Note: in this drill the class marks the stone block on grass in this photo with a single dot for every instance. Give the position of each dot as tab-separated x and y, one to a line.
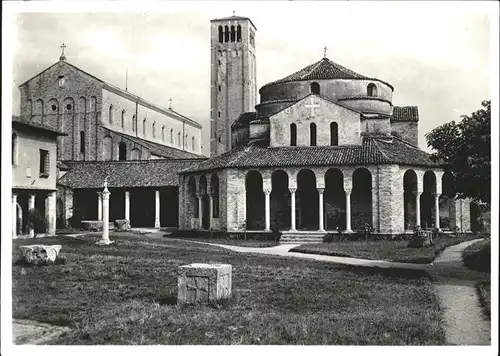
204	283
39	254
92	225
122	225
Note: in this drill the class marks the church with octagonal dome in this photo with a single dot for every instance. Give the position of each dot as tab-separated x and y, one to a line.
324	150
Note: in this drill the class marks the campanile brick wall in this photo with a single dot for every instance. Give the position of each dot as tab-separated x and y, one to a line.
233	84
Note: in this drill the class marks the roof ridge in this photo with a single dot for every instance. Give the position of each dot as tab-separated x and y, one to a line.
406	142
317	64
379	149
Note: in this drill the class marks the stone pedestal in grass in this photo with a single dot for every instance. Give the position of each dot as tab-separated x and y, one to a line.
40	254
204	283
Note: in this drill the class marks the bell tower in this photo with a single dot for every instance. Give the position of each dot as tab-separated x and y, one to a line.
233	85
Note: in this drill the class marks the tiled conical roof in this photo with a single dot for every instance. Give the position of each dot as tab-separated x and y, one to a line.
323	69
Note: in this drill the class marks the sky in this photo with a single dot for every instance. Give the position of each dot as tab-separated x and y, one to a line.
435	54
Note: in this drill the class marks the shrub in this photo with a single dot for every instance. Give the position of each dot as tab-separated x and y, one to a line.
328	238
36	221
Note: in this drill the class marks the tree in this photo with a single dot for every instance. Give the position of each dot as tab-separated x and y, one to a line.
465	149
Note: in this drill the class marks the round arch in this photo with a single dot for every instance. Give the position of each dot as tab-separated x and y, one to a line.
280	200
334	200
307	201
255	201
214	190
361	198
427	206
410	187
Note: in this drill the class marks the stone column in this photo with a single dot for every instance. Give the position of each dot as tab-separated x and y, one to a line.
321	214
127	205
99	206
293	218
200	210
417	207
267	193
157	209
348	210
14	215
31	205
105	217
436	213
51	213
211	208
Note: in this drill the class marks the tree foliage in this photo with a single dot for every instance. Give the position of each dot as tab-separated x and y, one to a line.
465	148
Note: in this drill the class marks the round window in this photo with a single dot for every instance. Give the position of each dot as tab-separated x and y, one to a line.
68	106
54	107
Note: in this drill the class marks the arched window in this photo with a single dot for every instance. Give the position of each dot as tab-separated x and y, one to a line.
163	133
233	34
154	129
293	135
226	34
14	149
334	134
179	139
371	89
171	136
221	35
110	114
192	143
144	127
107	148
122	151
134	123
123	119
315	88
238	33
135	154
313	134
82	141
29	108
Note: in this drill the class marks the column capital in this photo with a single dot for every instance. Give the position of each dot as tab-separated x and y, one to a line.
436	195
292	190
199	196
348	191
417	193
321	190
14	197
99	194
267	191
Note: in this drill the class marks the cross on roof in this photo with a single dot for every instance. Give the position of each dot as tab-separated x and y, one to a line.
312	106
62	57
170	103
324	55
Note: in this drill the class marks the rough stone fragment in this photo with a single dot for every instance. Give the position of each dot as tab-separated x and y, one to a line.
38	254
122	225
202	283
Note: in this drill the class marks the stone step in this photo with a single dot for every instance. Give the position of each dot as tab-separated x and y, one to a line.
288	241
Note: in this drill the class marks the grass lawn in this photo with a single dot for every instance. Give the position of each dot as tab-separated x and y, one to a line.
125	293
395	251
233	242
478	256
484	290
